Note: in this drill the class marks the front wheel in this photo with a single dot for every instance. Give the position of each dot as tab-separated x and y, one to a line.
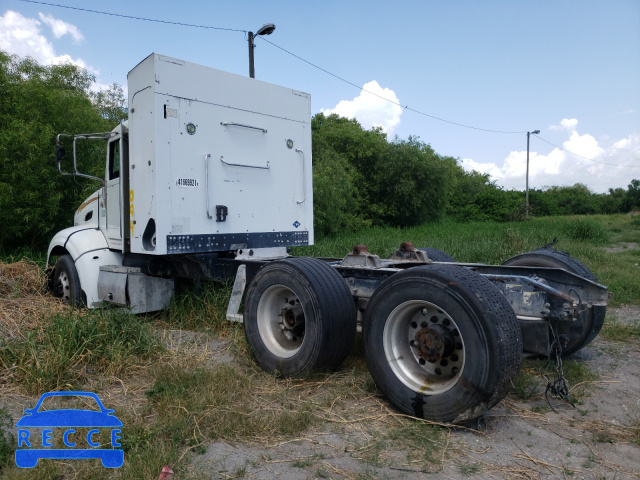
66	283
299	316
441	343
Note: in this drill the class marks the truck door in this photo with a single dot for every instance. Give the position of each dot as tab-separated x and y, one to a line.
114	213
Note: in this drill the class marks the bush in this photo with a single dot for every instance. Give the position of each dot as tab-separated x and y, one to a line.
361	179
408	185
586	230
336	201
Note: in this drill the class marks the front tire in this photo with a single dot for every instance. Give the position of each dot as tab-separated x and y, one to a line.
441	343
66	283
299	316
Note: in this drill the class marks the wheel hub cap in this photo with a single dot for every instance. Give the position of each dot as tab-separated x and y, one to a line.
434	343
281	321
423	347
292	317
64	286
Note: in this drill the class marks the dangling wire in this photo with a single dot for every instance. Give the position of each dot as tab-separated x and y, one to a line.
559	387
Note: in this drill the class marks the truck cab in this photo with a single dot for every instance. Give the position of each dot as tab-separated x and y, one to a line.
208	164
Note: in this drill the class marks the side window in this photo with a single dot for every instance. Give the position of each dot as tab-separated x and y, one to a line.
114	160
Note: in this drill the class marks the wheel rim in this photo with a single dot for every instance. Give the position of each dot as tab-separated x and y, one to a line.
64	286
280	320
423	347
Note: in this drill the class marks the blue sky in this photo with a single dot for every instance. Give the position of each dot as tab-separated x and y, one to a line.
568	68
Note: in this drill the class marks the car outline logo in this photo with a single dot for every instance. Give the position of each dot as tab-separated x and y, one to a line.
69	417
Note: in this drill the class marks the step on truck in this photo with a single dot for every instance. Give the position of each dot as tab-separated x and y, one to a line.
210	178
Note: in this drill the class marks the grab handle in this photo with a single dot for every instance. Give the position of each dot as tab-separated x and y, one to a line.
206	181
267	167
304	178
242	125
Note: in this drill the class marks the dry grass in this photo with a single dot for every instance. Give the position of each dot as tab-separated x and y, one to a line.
23	299
20	278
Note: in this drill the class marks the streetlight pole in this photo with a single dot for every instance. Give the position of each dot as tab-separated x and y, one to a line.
526	208
266	29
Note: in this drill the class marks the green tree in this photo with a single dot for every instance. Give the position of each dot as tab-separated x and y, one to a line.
399	183
574	200
335	198
37	102
633	195
465	188
111	103
612	202
543	203
343	155
409	184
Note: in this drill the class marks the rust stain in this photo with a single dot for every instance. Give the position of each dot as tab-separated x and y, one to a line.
358	249
407	247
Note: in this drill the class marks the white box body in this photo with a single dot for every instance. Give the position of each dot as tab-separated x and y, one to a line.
217	161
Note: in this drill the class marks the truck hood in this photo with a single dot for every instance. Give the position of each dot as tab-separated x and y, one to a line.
87	212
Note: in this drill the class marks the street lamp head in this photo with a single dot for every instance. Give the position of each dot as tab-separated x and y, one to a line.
535	132
266	29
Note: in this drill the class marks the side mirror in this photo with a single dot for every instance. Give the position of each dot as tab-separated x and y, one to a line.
61	154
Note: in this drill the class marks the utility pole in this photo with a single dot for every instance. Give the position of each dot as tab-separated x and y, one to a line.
526	208
266	29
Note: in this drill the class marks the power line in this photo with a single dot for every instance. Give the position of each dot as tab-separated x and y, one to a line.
131	17
590	159
406	107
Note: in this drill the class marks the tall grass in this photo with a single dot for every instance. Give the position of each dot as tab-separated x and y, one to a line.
468	242
587	230
73	345
7	440
199	307
584	237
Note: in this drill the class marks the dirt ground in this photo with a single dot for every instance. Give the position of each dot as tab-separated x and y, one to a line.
519	439
599	439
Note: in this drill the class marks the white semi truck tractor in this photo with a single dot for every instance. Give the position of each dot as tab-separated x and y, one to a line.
210	177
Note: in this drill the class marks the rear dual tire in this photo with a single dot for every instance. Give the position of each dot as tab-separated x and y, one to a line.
299	316
441	343
438	255
581	332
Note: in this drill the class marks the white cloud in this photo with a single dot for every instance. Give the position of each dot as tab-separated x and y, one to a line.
567	124
22	36
599	167
491	168
370	108
61	28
